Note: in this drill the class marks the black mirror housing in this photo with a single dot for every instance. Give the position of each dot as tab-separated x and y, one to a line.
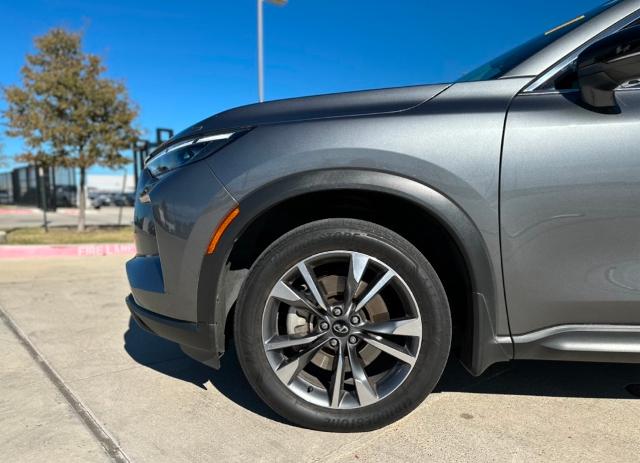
606	65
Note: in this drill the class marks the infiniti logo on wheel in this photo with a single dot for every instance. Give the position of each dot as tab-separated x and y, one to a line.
340	328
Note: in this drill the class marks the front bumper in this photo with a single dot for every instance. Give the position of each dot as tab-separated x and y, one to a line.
172	234
198	340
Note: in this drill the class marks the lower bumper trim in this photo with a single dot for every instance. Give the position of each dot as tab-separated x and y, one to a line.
196	338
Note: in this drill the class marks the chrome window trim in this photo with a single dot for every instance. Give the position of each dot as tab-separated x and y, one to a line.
546	76
633	88
564	91
615	60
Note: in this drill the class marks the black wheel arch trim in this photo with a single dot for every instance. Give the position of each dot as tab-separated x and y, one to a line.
485	347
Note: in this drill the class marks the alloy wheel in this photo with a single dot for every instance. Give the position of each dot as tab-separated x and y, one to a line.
341	329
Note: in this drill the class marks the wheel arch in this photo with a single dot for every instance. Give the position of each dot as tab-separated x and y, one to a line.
223	272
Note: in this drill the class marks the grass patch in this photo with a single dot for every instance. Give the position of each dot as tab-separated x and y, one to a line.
65	235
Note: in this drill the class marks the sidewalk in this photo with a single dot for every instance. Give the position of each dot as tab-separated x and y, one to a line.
38	423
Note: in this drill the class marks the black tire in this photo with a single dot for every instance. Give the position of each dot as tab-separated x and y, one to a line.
376	241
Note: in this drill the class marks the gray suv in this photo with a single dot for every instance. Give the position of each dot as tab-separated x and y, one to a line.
348	243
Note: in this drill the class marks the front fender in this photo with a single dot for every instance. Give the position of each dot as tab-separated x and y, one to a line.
485	347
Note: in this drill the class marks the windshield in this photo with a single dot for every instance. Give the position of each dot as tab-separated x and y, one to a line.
503	64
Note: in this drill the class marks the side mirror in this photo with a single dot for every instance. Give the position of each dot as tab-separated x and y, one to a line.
606	65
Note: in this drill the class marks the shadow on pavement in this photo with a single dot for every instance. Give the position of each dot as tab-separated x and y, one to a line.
167	358
534	378
550	379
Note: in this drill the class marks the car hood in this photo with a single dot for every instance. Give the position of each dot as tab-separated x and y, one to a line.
361	103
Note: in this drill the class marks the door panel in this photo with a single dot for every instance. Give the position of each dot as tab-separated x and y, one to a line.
570	212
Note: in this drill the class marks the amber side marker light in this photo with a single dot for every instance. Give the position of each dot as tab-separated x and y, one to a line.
221	229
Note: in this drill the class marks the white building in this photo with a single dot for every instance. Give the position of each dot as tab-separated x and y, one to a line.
110	183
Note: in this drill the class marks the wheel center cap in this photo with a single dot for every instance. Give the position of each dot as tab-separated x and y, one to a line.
340	328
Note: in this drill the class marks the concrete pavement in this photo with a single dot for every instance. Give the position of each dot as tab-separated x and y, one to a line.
38	423
158	405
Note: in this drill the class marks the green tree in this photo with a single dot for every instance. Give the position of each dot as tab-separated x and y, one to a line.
67	112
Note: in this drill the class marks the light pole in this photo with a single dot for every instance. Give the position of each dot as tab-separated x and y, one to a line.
124	189
261	46
43	198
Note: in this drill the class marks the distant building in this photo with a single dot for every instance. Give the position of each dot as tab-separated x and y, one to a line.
22	186
109	183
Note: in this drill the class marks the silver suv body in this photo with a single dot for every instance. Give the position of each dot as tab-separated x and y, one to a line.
513	195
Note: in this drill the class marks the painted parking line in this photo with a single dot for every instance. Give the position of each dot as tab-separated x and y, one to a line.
69	250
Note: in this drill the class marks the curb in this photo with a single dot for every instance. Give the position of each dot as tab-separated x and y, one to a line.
11	211
14	251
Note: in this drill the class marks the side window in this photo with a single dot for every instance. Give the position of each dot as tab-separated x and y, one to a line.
635	23
635	84
567	80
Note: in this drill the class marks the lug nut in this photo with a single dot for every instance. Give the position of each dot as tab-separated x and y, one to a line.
333	343
353	339
324	326
337	311
355	320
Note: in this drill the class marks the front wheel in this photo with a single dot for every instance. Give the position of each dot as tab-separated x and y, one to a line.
342	325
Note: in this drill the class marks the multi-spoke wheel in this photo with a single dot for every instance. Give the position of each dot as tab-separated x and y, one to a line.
341	329
342	325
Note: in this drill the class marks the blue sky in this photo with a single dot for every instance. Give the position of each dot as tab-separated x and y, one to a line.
183	61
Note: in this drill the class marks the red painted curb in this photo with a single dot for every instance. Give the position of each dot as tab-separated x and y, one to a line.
18	211
11	251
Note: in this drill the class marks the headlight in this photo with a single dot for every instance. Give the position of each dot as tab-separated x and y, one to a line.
188	151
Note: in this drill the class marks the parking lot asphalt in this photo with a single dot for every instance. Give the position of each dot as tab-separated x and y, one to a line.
21	217
80	382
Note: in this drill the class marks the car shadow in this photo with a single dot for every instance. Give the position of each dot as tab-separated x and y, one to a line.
533	378
167	358
544	378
